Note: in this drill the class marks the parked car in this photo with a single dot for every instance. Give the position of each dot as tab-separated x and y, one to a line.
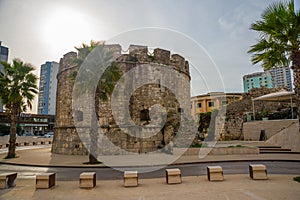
49	135
3	134
28	134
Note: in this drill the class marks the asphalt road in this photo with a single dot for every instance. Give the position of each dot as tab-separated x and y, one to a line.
66	173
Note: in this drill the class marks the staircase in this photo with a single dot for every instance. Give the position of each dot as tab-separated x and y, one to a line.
274	150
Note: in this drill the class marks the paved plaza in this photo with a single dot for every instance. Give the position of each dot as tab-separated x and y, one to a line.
235	186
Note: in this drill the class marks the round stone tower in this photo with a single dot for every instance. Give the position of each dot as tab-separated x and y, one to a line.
169	89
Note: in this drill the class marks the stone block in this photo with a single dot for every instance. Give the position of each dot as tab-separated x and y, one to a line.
87	180
173	176
8	180
45	180
130	178
258	172
215	173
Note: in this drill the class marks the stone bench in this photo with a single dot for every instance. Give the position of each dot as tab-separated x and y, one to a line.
131	178
8	180
87	180
258	171
45	180
215	173
173	176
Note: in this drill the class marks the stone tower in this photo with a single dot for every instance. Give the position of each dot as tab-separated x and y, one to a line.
142	102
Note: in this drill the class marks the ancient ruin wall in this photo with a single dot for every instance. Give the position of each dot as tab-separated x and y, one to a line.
66	140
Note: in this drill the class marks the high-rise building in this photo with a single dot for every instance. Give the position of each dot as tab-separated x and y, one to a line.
282	77
3	57
257	80
47	88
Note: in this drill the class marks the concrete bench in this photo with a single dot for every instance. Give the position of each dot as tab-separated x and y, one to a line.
258	171
8	180
215	173
44	181
131	178
173	176
87	180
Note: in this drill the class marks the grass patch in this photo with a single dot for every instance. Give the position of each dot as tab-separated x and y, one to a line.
199	145
297	178
236	146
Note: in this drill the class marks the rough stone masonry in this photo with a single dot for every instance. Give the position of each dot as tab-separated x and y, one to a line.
141	103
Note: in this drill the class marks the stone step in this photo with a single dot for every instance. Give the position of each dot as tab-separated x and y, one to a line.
278	152
274	149
269	147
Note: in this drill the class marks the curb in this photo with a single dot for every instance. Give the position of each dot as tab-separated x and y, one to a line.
173	164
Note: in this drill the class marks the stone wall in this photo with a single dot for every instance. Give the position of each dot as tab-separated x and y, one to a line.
236	112
251	130
288	138
66	140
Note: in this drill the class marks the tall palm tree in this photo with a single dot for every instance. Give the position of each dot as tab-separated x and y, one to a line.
18	86
104	88
279	41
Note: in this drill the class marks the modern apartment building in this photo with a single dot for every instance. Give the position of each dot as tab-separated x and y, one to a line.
47	88
282	77
257	80
211	101
3	57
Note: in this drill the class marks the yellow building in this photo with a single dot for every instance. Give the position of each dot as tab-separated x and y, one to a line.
211	101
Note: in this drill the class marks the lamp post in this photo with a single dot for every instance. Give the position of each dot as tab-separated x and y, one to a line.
253	108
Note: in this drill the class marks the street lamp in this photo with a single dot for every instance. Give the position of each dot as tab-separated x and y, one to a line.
253	108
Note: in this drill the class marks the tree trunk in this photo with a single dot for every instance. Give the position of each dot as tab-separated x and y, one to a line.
12	137
296	69
93	154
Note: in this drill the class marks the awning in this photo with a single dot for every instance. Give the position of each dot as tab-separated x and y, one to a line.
282	95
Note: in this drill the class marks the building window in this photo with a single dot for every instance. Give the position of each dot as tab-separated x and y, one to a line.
199	105
180	110
225	102
144	115
78	115
211	104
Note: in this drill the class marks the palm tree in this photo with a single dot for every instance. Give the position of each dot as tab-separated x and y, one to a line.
18	86
104	88
279	41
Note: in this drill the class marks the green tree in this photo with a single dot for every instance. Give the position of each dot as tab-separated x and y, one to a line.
279	42
207	124
204	121
104	88
18	86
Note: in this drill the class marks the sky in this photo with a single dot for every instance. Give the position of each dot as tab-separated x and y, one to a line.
214	35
